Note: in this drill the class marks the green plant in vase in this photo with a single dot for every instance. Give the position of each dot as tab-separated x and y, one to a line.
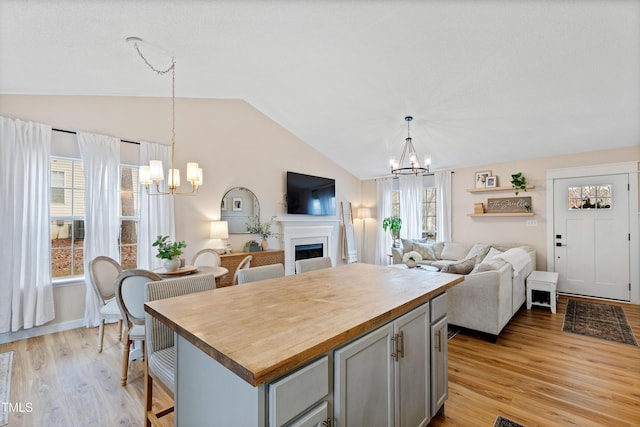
393	224
254	226
169	252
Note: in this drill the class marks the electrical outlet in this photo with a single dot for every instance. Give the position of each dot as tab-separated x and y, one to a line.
532	223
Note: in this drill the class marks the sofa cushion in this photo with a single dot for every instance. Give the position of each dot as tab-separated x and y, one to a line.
425	250
460	267
454	251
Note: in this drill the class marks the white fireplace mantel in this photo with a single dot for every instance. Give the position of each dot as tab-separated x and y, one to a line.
308	230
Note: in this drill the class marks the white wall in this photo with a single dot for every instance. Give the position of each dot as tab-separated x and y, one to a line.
234	143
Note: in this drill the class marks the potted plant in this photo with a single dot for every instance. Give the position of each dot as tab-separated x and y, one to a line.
519	182
254	226
169	252
394	224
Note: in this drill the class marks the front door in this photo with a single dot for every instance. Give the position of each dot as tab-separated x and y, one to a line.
591	236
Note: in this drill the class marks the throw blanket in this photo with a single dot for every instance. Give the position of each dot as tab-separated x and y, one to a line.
349	250
517	257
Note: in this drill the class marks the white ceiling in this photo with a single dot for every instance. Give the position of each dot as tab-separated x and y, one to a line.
486	81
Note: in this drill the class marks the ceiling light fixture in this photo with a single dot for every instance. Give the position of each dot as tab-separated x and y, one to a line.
409	152
154	171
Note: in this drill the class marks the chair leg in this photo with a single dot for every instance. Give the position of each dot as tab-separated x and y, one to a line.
120	330
100	336
148	387
125	360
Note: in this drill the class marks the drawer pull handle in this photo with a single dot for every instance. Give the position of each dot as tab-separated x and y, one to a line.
327	422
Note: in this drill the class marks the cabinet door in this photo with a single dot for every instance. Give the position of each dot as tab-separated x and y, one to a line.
412	405
439	376
317	417
363	386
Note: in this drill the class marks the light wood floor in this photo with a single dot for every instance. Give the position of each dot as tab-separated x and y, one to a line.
534	374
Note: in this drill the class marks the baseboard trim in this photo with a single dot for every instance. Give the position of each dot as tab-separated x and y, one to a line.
40	330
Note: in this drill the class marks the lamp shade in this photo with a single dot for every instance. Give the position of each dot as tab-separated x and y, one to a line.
364	213
219	230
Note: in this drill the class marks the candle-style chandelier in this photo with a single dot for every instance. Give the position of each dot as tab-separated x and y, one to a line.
409	153
153	173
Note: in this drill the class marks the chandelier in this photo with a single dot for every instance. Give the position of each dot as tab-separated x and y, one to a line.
153	173
409	153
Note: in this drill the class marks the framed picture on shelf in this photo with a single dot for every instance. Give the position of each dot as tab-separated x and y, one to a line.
481	179
237	204
492	181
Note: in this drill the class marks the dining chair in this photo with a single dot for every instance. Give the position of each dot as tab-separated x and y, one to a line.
103	271
160	362
130	298
303	265
262	272
245	263
206	257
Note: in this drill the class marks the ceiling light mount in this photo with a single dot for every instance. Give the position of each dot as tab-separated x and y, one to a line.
409	153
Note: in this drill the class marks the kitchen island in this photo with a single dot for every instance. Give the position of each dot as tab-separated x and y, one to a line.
278	352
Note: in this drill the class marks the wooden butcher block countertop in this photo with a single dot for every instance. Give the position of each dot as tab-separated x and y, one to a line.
265	329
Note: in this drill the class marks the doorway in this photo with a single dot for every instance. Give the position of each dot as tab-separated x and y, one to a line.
591	237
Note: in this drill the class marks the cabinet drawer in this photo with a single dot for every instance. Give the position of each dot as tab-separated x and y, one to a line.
314	417
439	307
293	394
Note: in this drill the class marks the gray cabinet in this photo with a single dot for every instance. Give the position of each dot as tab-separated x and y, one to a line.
439	348
382	379
291	396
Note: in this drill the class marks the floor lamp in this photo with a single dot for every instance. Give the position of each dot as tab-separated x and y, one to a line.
363	214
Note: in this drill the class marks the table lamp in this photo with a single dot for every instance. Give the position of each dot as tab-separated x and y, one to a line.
218	231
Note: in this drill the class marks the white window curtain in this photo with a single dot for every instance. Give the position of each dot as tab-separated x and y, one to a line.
411	195
157	215
383	239
26	295
443	205
100	156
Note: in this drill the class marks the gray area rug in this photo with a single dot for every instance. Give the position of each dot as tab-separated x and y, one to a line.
6	360
505	422
599	320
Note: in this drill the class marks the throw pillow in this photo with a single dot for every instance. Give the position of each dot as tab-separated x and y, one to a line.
492	252
425	250
479	251
407	244
460	267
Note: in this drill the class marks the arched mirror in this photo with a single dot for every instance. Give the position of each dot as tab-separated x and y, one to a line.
238	205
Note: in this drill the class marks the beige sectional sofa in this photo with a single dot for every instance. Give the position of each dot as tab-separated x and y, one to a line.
494	286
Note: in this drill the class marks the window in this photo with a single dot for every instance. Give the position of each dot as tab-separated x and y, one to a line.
67	217
57	186
129	216
590	197
428	211
66	214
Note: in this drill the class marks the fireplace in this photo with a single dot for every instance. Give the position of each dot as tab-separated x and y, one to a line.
307	238
313	250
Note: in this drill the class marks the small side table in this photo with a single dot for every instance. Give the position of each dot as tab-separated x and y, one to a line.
543	281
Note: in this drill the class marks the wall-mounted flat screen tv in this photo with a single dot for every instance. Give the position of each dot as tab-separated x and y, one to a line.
310	195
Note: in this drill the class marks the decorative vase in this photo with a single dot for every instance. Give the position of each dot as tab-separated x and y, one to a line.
265	244
172	264
411	263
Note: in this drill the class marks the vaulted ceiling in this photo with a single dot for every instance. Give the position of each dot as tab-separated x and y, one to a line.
486	81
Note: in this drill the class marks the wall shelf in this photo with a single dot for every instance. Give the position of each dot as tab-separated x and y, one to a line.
482	190
504	214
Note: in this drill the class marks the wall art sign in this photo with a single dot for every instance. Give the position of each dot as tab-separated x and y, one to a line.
509	205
